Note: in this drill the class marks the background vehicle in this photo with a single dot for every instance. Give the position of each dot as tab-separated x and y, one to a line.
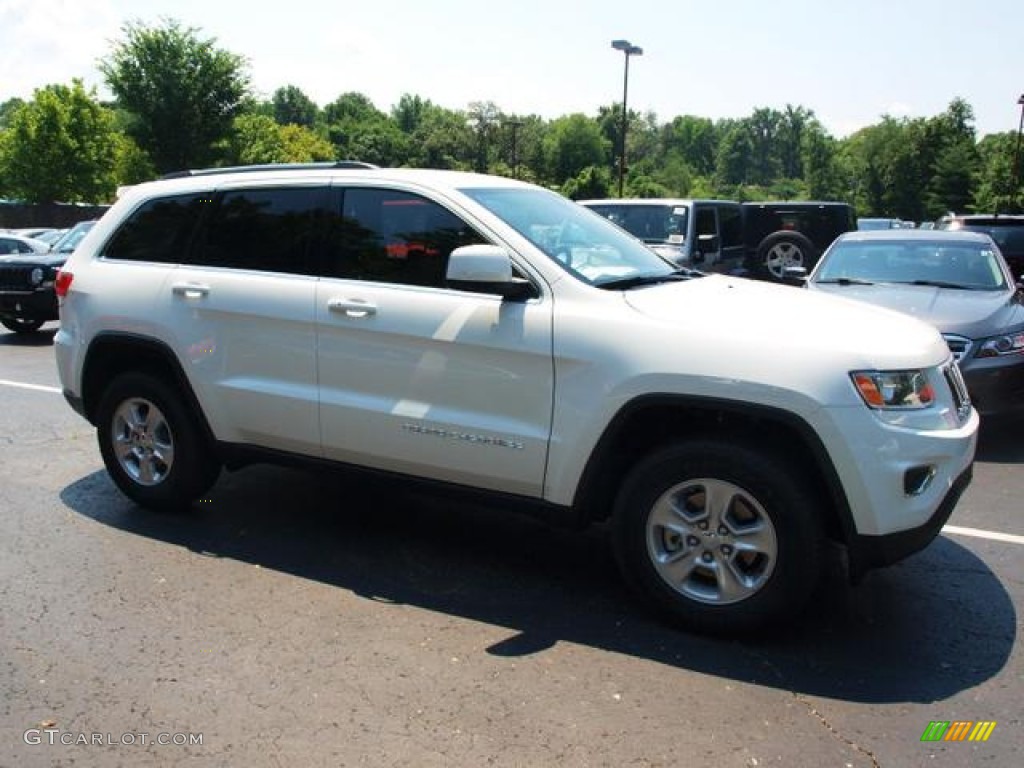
496	338
955	280
749	239
27	298
1006	230
702	234
870	223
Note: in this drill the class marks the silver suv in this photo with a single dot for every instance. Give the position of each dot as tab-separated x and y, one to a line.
493	336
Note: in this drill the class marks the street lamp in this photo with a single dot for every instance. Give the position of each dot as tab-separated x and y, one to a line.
1016	155
629	50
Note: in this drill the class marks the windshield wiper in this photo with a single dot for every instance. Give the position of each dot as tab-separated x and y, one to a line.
846	281
941	284
624	283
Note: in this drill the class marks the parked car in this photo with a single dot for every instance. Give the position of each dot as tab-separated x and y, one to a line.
759	239
702	234
1006	230
955	280
489	336
27	298
11	243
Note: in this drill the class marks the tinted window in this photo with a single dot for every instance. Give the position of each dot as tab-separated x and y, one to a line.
731	223
395	237
9	245
270	230
159	230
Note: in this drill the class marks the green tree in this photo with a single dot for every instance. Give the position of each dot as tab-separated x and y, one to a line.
591	182
60	147
293	107
259	139
572	144
995	189
183	91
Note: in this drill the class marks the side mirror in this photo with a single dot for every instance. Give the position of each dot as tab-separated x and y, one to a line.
486	269
796	276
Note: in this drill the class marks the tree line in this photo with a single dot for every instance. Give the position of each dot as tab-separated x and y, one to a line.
182	102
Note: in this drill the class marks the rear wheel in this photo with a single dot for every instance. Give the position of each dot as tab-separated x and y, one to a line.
782	250
718	537
152	445
19	325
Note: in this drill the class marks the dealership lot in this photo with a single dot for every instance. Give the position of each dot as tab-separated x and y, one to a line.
300	618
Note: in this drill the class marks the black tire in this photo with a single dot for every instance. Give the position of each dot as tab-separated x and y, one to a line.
781	250
152	445
19	325
755	563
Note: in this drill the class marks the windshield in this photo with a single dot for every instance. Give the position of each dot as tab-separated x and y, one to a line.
583	243
70	240
651	223
947	265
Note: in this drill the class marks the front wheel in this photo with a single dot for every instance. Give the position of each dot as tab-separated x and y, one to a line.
719	537
152	445
18	325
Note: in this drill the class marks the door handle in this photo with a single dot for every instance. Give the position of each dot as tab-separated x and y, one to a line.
356	308
190	290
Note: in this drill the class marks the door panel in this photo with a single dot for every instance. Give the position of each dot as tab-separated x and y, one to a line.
445	384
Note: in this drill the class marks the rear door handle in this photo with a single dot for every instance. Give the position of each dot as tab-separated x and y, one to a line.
356	308
190	290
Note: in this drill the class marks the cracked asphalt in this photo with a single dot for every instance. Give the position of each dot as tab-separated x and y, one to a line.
300	618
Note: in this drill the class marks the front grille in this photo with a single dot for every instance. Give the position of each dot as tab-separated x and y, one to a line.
961	399
958	345
16	278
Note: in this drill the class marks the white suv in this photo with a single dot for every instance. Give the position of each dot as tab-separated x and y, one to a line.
491	335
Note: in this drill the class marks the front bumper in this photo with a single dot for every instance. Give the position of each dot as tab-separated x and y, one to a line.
996	384
34	305
868	552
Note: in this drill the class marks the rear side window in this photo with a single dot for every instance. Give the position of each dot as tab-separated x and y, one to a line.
159	230
394	237
731	222
264	229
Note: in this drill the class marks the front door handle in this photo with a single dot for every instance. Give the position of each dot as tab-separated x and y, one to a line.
190	290
356	308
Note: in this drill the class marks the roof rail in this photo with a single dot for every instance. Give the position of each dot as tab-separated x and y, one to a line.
351	164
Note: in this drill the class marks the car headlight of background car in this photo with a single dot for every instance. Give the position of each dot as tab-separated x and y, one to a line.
36	276
998	346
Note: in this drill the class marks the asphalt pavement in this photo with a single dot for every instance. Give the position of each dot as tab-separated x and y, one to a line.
300	618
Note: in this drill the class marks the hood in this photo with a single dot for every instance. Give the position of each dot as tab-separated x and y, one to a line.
34	259
974	314
779	322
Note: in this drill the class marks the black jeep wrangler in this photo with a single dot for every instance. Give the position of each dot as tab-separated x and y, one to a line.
778	235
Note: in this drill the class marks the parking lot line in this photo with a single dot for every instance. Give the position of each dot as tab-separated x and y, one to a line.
36	387
978	533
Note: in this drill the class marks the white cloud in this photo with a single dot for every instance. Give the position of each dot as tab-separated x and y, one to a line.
52	41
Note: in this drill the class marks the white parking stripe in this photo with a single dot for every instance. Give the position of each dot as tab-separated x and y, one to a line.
36	387
977	533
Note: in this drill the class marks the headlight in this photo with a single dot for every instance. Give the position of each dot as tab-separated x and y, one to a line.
894	390
36	275
1011	344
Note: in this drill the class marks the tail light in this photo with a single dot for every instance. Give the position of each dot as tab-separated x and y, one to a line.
63	283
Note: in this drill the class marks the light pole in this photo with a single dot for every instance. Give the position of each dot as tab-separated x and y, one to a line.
629	50
1016	155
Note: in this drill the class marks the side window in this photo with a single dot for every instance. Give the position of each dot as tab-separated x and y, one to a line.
731	222
395	237
705	223
159	230
263	229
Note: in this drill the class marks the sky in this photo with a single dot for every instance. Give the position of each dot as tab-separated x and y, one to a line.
849	62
